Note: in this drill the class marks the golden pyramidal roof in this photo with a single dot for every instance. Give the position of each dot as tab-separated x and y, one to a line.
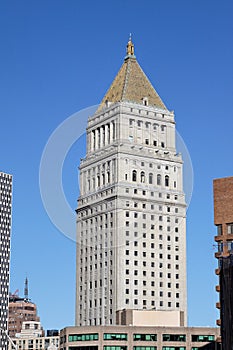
131	84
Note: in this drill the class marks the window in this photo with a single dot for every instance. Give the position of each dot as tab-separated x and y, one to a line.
230	228
219	230
202	338
166	180
115	336
142	176
158	179
145	337
134	175
147	141
83	337
145	348
150	178
174	337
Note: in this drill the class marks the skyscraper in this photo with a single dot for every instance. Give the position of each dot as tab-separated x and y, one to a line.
5	232
131	215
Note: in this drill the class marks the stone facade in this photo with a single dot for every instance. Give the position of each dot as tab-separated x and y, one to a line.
131	216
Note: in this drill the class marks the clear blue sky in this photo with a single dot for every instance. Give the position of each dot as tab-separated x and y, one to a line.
58	57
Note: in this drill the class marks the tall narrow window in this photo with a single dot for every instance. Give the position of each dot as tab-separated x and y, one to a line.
150	178
98	180
158	179
134	175
142	176
166	180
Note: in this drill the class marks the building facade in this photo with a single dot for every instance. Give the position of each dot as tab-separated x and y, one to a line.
35	343
131	215
5	236
137	338
19	312
223	219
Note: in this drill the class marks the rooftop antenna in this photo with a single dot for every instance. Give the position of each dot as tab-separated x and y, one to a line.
26	289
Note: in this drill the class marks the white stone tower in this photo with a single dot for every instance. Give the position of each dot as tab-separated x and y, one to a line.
131	216
5	233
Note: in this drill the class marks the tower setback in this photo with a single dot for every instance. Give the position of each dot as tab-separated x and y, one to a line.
131	215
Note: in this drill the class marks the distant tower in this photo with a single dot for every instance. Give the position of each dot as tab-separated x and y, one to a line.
26	289
5	234
131	216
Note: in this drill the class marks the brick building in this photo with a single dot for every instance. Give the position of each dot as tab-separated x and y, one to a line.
223	219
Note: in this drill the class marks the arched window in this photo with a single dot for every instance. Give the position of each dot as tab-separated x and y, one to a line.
166	180
150	178
158	179
143	176
134	175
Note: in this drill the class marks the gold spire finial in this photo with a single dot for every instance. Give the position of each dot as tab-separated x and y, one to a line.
130	47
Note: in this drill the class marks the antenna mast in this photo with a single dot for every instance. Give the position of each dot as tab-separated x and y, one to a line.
26	289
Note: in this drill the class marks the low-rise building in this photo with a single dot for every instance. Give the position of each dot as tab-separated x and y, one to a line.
136	338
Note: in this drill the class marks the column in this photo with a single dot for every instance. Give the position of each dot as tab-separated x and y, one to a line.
92	140
106	133
111	132
101	137
96	139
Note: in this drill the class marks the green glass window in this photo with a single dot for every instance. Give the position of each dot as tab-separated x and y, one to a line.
174	337
174	348
202	338
83	337
106	347
145	348
115	336
145	337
